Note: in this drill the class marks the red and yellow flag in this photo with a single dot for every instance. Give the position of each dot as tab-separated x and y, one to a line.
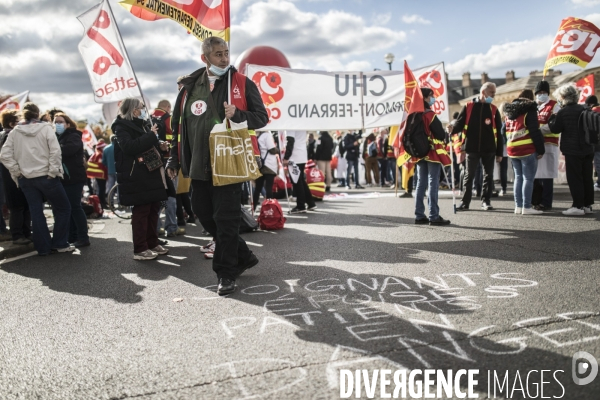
575	42
202	18
586	85
413	102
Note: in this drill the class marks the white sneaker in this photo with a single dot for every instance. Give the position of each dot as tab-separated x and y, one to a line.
208	248
160	250
574	211
518	210
67	249
532	211
145	255
502	193
588	210
596	188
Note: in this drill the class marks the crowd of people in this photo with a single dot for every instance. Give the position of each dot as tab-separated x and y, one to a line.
162	163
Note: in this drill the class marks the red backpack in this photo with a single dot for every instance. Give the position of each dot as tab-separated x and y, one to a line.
271	216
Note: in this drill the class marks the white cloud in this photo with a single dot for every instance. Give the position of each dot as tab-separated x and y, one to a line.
511	55
447	49
381	19
39	51
324	39
593	18
415	19
586	3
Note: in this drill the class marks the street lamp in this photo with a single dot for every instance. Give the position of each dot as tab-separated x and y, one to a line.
389	58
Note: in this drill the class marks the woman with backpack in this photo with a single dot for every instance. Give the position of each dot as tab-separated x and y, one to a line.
429	167
268	156
71	146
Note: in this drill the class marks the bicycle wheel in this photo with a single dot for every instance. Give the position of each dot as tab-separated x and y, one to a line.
120	211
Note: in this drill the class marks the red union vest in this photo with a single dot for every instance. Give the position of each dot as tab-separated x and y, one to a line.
519	143
544	114
95	167
437	153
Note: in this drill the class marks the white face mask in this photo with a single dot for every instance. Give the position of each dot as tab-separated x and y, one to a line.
542	98
217	70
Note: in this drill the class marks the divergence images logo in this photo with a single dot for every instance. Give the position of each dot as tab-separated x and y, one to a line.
584	364
102	64
269	86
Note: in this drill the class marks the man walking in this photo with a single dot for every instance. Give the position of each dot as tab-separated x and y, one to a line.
201	103
479	122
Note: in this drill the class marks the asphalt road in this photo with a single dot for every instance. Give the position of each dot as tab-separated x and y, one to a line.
355	285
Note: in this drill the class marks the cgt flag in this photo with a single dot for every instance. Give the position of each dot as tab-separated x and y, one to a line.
202	18
413	102
576	42
15	102
105	57
586	85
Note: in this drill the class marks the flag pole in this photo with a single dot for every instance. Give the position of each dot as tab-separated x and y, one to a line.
397	169
130	64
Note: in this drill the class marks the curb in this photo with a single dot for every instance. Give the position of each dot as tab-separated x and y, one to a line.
9	250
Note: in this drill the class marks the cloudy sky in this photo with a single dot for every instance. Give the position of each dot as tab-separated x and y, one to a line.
38	40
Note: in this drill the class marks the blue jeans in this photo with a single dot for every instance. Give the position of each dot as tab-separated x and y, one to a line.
391	170
525	169
352	164
170	214
78	228
35	190
110	182
428	177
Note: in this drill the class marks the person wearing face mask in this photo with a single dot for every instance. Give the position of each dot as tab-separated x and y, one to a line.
547	170
32	155
140	175
201	103
74	176
479	122
578	154
429	168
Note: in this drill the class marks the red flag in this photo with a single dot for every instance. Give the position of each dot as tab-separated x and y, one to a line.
586	85
413	102
202	18
575	42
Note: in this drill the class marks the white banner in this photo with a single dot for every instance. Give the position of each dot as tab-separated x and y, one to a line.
15	102
104	56
318	100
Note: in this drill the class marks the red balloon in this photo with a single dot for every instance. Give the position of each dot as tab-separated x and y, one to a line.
261	55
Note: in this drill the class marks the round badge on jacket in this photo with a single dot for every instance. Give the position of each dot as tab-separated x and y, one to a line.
488	121
198	107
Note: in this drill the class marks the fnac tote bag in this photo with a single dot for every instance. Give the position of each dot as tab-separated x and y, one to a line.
231	154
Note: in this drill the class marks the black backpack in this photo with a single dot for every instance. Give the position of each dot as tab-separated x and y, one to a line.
161	125
589	123
415	140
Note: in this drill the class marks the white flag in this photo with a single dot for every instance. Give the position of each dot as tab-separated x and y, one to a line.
105	57
15	102
89	139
